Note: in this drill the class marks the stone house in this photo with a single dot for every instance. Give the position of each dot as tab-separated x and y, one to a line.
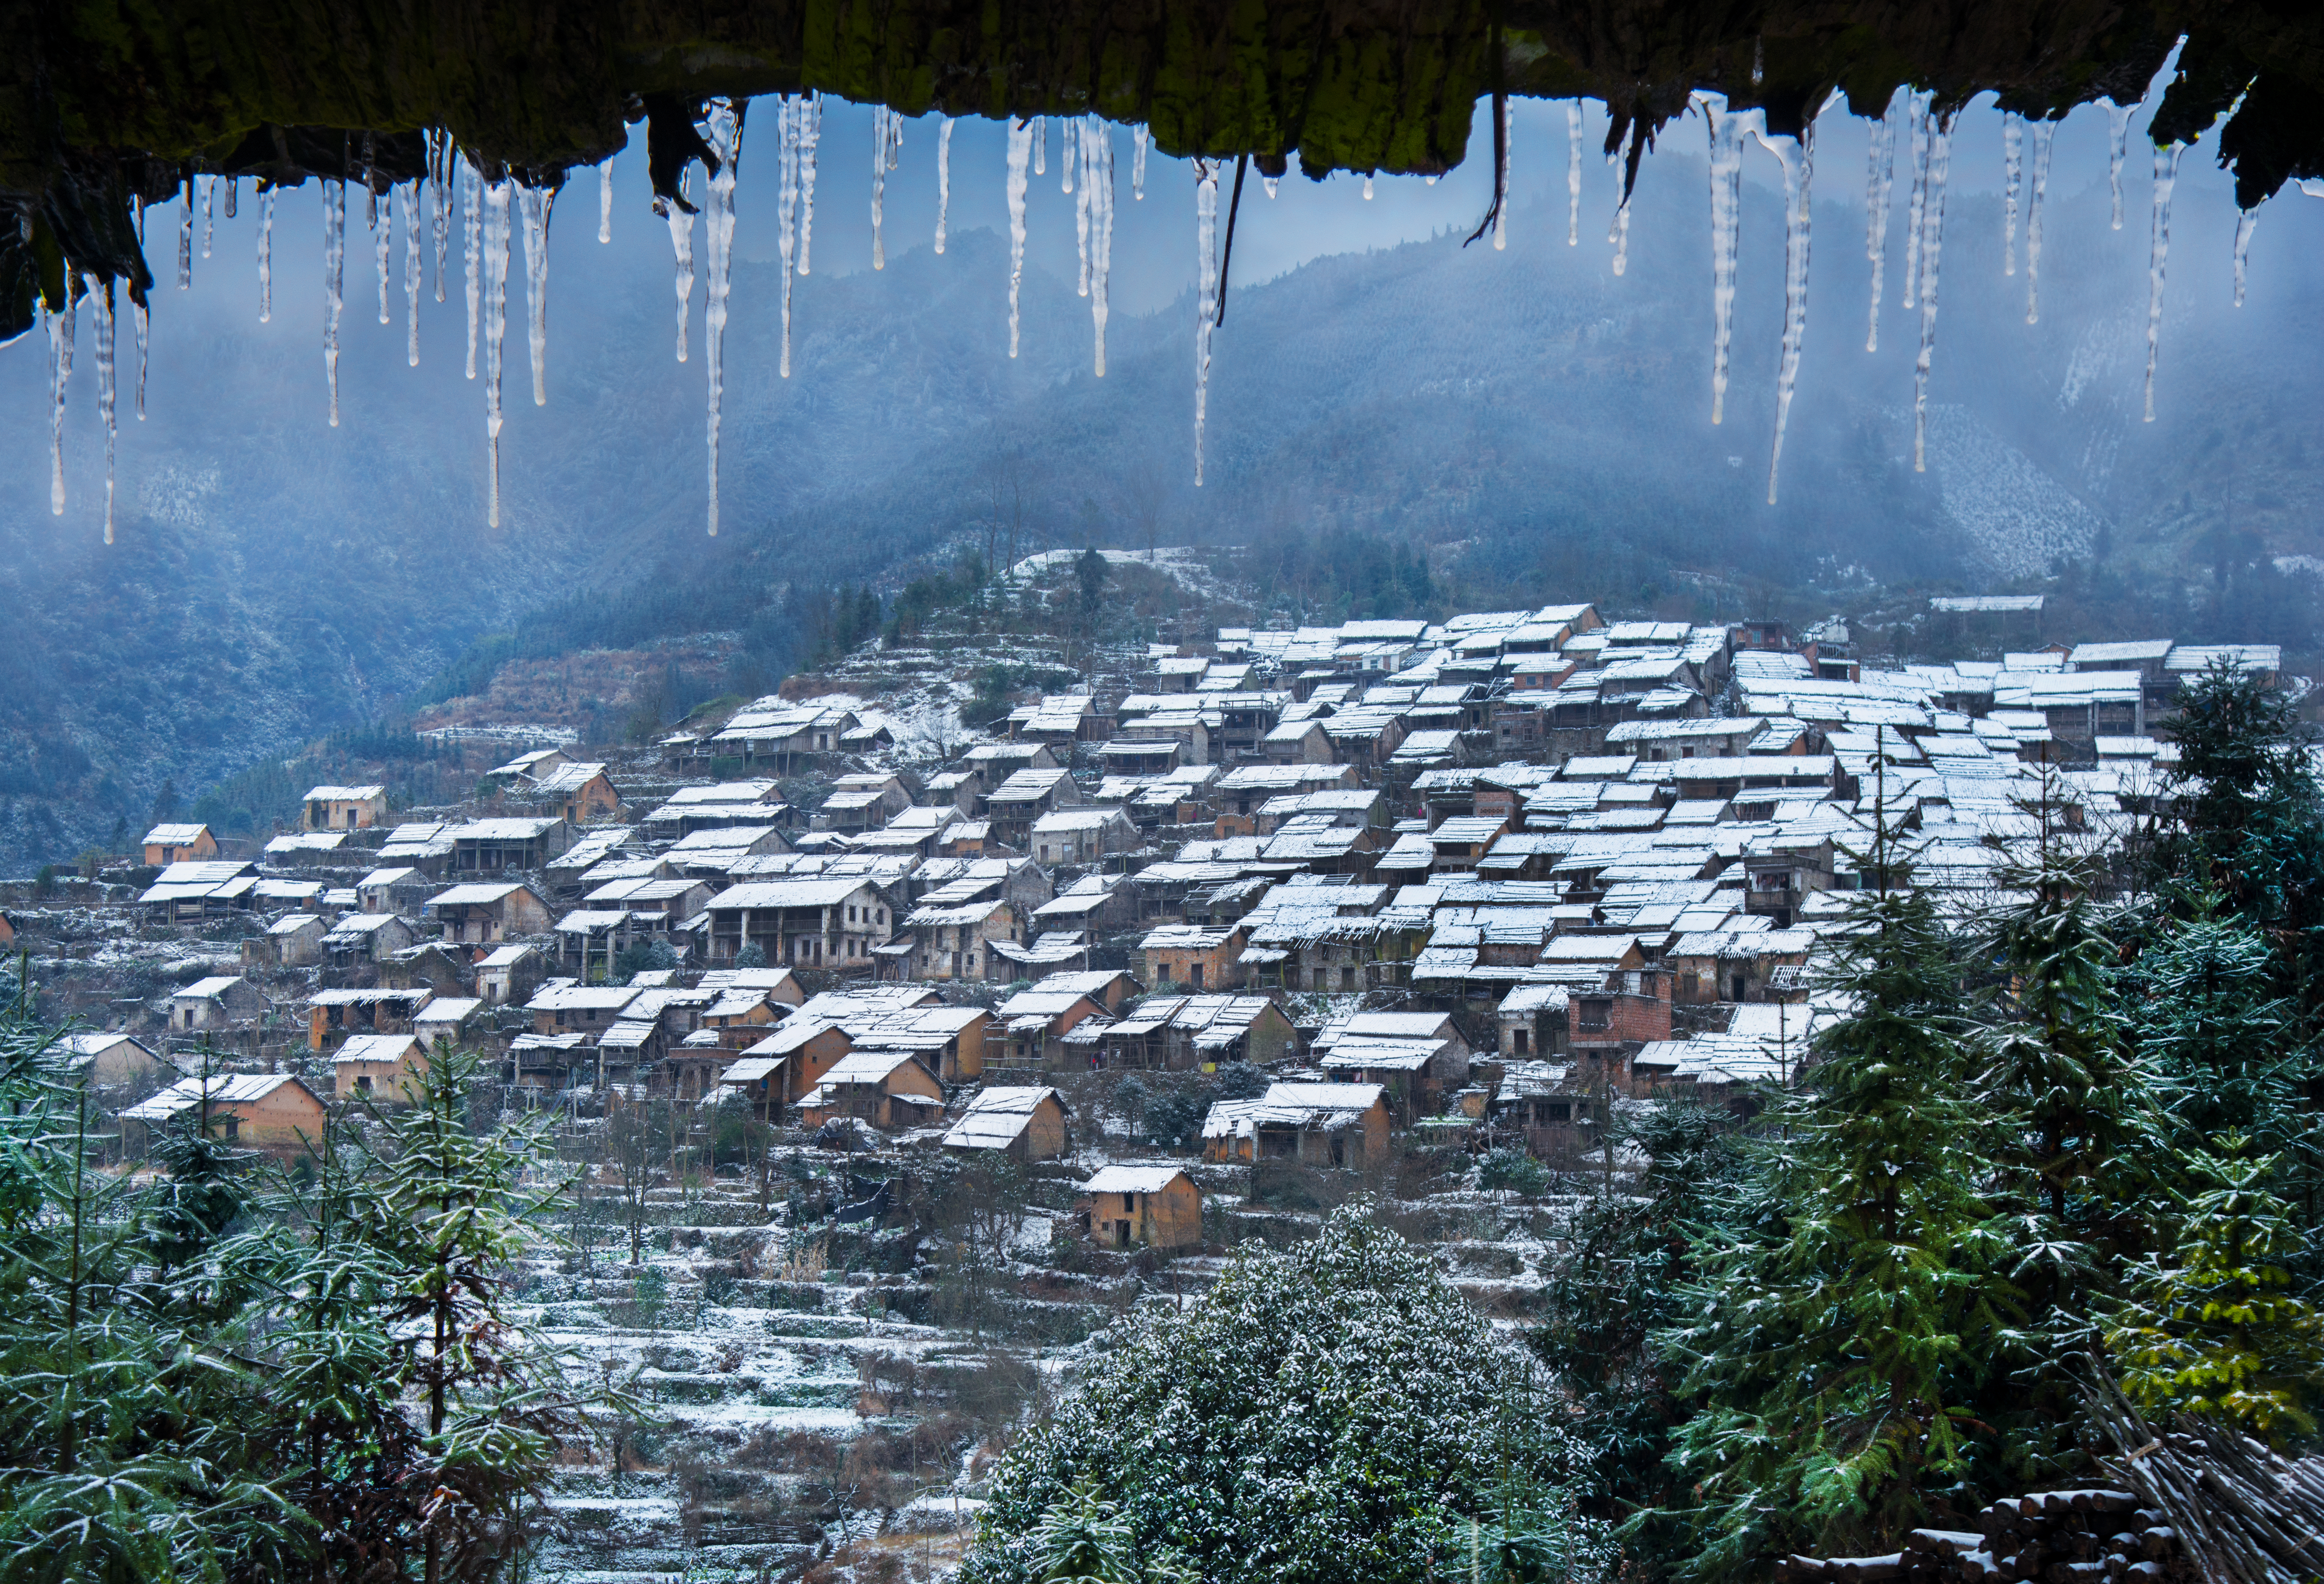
510	975
1083	835
1192	957
114	1062
372	938
484	913
219	1004
292	941
954	942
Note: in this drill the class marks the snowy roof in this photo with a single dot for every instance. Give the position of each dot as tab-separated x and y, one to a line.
476	894
1132	1179
344	794
174	835
375	1048
996	1117
224	1090
209	988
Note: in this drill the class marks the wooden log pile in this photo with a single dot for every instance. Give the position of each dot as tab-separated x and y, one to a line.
2052	1536
2244	1513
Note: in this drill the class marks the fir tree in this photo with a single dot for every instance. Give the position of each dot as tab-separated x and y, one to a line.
1842	1340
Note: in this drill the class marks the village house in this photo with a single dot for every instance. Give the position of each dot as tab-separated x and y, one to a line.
1342	1125
890	1089
831	924
114	1064
956	943
1195	958
560	1007
581	794
488	847
862	802
1155	1207
1027	796
1417	1057
1083	835
484	913
450	1021
398	890
357	1011
219	1004
427	964
1025	1123
380	1067
1033	1024
369	938
179	843
292	941
1178	1033
949	1041
343	808
272	1112
509	975
1732	964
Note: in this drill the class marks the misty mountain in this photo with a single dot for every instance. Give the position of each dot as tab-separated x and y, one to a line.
1539	422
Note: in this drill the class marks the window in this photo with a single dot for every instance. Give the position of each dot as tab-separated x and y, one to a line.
1194	974
1522	1039
851	912
1596	1015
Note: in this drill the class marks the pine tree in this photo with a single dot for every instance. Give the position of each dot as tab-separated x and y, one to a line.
1841	1342
2213	1329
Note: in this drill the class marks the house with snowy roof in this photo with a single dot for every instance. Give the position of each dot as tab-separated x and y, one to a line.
343	808
1025	1122
380	1067
1344	1124
891	1089
219	1002
1156	1206
175	844
273	1112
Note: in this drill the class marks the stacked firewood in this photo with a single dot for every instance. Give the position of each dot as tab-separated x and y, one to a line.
2054	1537
2244	1513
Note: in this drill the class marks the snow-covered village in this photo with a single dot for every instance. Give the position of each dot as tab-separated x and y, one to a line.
884	1060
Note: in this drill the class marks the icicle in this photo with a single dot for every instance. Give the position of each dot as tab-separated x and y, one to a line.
786	155
726	140
1068	150
1932	223
267	256
472	232
2117	151
534	205
1206	294
1139	139
1040	146
409	194
495	284
2013	138
681	247
1619	235
61	359
335	256
944	178
2245	223
1368	187
209	222
2043	131
100	308
1573	173
1020	146
605	198
439	197
1502	176
880	121
1917	119
2166	177
185	236
143	322
1879	185
1798	158
1269	183
810	134
233	190
1097	180
382	248
1726	130
1069	137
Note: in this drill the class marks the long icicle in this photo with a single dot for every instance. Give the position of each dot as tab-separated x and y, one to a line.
266	255
1070	133
439	198
1879	189
1798	160
535	204
2166	177
2117	151
143	321
681	247
233	189
944	178
726	140
2043	131
879	123
100	309
1502	176
1020	148
1573	173
1917	122
61	362
1933	222
1040	146
472	242
382	238
335	258
605	200
810	134
1097	177
1726	129
2013	176
210	220
789	113
2247	221
1206	294
409	195
1139	139
495	285
186	235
